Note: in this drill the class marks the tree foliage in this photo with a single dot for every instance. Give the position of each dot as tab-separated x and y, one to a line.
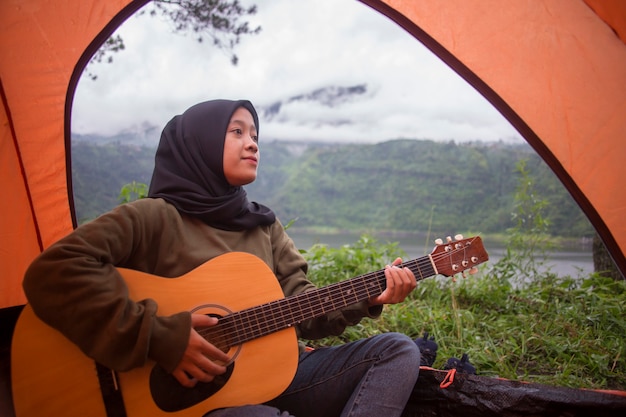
220	21
563	331
133	191
514	319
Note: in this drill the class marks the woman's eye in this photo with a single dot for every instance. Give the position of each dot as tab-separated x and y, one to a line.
255	138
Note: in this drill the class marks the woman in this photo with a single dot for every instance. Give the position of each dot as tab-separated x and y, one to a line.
196	211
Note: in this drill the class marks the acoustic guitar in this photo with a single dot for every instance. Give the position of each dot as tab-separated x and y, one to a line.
52	377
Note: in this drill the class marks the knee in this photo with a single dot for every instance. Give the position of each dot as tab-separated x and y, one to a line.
403	346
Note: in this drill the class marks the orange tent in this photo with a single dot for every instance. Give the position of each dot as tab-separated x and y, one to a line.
556	69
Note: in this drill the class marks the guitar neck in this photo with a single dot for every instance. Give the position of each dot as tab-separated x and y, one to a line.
245	325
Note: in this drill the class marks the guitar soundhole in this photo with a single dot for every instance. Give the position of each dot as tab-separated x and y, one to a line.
170	396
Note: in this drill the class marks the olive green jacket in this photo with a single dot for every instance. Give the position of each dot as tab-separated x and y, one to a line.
75	287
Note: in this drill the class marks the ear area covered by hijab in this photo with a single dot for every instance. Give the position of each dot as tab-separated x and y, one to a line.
189	172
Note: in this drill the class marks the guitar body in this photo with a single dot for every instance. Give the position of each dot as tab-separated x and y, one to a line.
51	376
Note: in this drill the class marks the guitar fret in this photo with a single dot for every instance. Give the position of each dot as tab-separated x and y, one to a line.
293	307
274	321
240	329
311	306
352	293
252	318
320	306
258	323
325	299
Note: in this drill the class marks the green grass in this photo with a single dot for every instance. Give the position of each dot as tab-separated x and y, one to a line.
562	331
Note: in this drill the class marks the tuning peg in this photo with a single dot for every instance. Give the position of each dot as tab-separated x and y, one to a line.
438	242
458	237
473	270
449	239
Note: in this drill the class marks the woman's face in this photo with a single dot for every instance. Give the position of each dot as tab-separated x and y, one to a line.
241	151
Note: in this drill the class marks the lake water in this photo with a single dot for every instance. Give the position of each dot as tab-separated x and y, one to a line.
564	261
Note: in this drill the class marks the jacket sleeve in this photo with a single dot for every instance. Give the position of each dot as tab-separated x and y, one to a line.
291	268
75	287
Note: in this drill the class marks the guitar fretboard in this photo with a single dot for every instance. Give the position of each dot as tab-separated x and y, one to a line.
245	325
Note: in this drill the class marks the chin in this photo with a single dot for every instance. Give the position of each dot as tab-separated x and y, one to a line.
245	181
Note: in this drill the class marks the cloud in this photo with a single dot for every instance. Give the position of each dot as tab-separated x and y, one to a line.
304	46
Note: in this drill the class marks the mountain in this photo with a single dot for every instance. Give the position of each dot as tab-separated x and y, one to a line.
398	185
331	96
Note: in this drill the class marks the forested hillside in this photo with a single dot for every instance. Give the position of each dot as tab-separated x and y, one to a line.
399	185
100	171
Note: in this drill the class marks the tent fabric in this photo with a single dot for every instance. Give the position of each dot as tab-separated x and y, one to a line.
613	13
41	45
19	240
556	69
557	72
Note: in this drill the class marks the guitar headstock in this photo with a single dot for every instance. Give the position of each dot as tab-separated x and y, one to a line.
458	255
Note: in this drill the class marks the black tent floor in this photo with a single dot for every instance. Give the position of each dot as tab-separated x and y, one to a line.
466	396
477	396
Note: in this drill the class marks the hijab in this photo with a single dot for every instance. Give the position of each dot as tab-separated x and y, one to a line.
189	169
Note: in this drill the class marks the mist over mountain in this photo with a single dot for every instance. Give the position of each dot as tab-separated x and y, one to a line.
143	134
148	134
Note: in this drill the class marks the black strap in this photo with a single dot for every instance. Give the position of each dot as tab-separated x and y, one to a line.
111	392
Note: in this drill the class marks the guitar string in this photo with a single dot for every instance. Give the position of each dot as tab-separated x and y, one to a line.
266	324
274	315
267	318
361	289
265	315
260	320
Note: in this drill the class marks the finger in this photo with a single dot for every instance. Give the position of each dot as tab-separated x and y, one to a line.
393	280
212	352
209	366
396	262
203	353
183	379
197	366
389	295
405	273
208	349
406	277
400	282
205	373
407	282
202	320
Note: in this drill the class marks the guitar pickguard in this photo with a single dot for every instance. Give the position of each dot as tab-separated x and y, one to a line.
170	396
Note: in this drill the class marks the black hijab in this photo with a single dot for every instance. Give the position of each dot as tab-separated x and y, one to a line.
189	169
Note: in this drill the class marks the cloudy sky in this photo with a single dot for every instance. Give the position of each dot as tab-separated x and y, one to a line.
304	45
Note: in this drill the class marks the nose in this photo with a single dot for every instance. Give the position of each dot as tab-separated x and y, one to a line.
251	144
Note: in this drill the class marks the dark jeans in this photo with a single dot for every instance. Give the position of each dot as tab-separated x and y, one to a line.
370	377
